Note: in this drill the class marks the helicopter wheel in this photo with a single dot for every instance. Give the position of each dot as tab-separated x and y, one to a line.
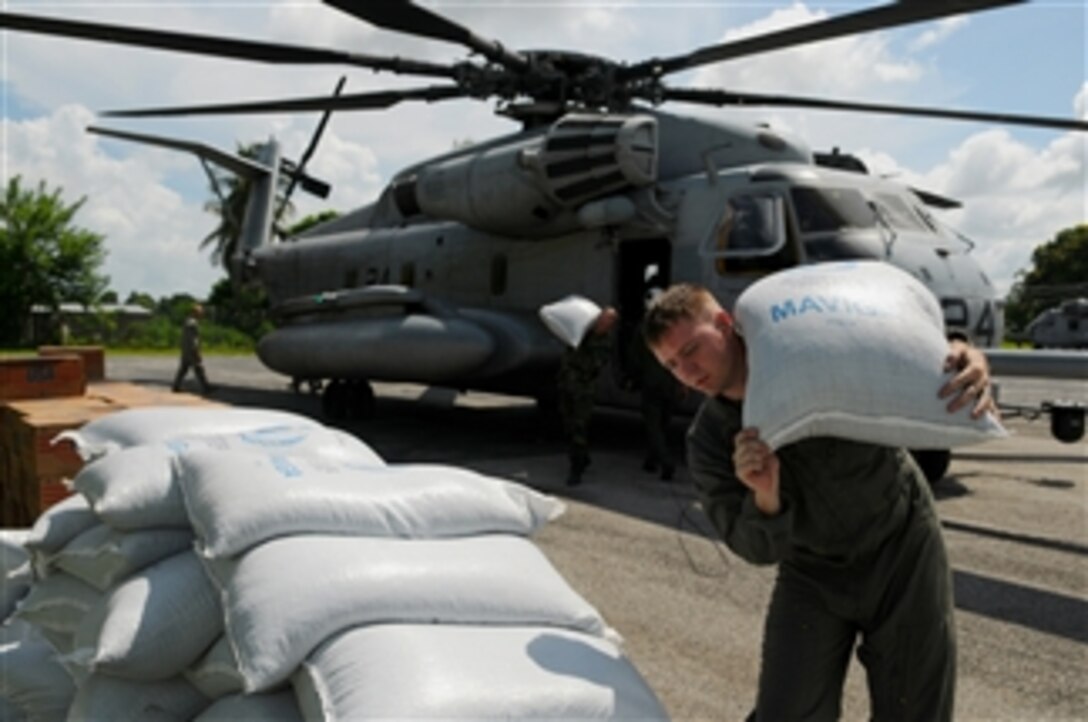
348	399
360	399
334	400
934	463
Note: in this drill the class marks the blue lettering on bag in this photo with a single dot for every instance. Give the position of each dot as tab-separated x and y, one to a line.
836	305
285	467
273	436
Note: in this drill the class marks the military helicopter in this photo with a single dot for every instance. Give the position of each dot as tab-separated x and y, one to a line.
600	192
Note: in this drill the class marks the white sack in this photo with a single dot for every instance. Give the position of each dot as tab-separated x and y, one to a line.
103	698
103	556
282	598
31	679
13	551
216	673
235	503
271	707
57	603
136	487
16	575
851	349
144	425
14	586
154	624
58	525
460	672
569	318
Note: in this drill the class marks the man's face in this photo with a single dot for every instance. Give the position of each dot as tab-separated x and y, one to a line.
705	355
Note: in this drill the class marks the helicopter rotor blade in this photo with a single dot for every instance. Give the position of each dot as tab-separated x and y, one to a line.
902	12
355	101
407	17
215	46
725	97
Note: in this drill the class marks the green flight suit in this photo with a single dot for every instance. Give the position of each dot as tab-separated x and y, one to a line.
859	552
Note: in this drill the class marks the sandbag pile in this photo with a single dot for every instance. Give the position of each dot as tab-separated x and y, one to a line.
853	349
273	568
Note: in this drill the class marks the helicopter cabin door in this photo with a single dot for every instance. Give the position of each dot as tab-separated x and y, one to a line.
643	266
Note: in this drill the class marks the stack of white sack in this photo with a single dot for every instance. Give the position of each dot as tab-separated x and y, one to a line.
117	602
277	548
853	349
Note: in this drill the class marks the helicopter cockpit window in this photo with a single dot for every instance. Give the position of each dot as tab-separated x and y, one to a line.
898	213
750	225
831	209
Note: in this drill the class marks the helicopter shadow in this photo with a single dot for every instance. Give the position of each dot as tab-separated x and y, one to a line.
513	440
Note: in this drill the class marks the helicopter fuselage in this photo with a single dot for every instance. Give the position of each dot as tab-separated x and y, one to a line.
440	280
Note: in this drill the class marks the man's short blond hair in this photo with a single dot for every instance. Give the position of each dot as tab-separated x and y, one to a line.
681	302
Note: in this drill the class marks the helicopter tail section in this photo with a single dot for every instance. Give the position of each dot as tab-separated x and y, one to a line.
259	214
261	172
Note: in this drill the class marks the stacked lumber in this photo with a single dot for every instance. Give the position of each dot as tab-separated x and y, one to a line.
33	470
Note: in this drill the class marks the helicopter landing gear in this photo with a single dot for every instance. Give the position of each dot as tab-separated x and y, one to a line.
314	385
348	399
934	463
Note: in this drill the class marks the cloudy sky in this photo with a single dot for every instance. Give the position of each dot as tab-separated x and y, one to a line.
1019	186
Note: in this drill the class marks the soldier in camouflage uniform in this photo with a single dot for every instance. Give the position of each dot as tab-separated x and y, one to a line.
578	372
191	357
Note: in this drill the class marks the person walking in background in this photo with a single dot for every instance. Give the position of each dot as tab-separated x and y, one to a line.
851	526
578	371
191	357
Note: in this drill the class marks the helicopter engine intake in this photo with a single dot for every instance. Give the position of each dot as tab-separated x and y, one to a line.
537	184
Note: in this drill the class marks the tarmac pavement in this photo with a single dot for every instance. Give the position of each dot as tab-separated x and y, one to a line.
1015	514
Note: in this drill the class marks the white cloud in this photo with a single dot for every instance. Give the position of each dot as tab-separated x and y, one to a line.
1015	197
151	232
939	32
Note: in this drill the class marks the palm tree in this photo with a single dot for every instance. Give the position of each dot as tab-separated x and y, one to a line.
231	194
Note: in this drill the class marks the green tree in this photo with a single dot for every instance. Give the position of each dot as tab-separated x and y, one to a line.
229	204
139	298
1059	271
108	297
244	308
314	219
176	307
44	258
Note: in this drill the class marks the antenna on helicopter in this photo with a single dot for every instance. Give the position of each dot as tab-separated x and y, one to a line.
296	171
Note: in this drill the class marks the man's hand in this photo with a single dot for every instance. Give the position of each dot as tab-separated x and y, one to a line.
757	467
971	383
